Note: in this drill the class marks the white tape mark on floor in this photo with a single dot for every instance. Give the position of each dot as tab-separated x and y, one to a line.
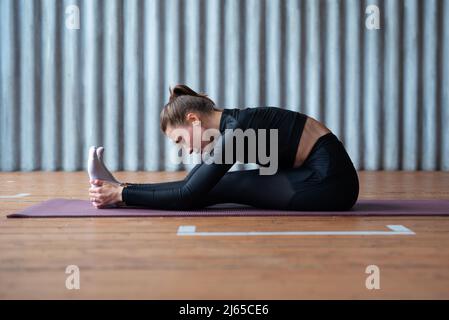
19	195
395	230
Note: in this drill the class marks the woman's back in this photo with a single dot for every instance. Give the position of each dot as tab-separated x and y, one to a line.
257	123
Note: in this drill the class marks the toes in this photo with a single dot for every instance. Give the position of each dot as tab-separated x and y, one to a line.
92	153
100	151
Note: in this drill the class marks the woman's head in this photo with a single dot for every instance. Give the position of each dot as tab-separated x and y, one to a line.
184	110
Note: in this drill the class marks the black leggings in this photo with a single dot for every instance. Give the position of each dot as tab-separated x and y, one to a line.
326	181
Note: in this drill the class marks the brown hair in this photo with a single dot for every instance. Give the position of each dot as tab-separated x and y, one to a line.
182	101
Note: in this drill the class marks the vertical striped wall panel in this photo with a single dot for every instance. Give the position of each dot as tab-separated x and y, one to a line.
384	92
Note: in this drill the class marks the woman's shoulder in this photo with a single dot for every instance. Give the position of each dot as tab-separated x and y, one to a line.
249	116
243	111
266	113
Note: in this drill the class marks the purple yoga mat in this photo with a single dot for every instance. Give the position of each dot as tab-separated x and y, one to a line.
83	208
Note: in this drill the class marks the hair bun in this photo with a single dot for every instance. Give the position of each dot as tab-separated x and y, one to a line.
183	90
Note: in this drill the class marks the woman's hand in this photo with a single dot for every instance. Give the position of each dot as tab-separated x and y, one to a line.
104	193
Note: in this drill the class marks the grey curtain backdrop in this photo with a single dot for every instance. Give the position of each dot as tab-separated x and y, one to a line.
383	92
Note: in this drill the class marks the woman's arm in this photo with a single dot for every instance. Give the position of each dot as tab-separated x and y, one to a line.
144	186
185	194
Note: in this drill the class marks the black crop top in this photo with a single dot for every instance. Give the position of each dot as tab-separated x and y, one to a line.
186	194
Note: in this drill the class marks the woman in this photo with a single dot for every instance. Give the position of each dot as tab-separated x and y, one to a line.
314	170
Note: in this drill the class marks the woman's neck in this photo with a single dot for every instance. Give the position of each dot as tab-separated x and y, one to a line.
214	119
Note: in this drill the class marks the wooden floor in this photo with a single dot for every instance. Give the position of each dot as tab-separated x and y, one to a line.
144	258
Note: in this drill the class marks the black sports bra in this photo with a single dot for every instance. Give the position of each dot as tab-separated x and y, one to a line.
289	125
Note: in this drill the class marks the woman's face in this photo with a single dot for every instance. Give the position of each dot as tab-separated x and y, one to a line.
188	136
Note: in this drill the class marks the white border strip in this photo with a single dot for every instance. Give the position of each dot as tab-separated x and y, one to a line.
395	231
19	195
